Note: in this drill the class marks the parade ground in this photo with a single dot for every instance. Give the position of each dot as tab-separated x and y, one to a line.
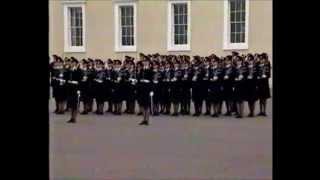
114	147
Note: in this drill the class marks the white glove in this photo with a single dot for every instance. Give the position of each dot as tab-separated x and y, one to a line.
78	92
151	93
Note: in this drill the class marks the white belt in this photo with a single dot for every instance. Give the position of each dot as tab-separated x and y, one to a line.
98	80
156	82
145	81
61	80
73	82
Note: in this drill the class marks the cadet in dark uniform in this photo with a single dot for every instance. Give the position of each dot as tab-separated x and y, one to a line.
67	66
109	84
99	86
161	84
251	84
146	78
186	86
73	89
198	90
228	80
241	73
138	85
86	86
263	83
118	83
58	83
166	88
175	88
156	87
215	86
207	69
131	91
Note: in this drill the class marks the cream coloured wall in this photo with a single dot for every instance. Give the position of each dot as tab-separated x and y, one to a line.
206	28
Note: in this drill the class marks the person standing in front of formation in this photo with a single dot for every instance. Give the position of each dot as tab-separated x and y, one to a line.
215	86
241	75
228	80
263	83
58	83
146	78
73	89
251	84
98	84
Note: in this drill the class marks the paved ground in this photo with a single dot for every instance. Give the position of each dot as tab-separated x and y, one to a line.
184	147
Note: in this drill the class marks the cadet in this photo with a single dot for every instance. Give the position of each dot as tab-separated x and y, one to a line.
86	85
146	76
186	86
263	83
228	80
175	88
156	87
166	88
109	84
98	85
118	85
197	85
251	85
73	92
207	69
131	87
241	73
215	86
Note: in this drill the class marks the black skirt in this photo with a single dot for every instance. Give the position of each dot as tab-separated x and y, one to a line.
165	93
239	93
263	89
216	93
144	98
72	96
59	93
99	92
227	90
251	90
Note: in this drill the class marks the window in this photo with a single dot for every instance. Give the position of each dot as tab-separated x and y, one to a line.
179	25
125	27
236	24
74	30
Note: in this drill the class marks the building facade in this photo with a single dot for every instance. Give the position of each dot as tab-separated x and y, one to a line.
115	28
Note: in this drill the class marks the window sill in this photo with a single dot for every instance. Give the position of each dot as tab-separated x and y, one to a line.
236	46
181	48
74	49
126	49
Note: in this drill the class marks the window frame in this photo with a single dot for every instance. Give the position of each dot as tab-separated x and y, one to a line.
227	44
67	29
171	46
118	47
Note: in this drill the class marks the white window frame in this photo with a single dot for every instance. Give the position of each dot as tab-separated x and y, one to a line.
170	36
118	47
67	33
227	45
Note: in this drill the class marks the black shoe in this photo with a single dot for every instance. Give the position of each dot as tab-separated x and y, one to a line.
175	114
84	112
250	115
156	114
55	111
264	114
214	115
60	112
238	116
71	121
260	114
100	113
207	113
167	113
109	110
146	123
227	114
139	114
196	114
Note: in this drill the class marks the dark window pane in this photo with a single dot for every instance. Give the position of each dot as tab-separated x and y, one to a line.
237	27
243	27
242	36
232	17
232	5
243	5
237	37
175	9
233	27
185	19
238	3
123	21
243	16
238	14
232	37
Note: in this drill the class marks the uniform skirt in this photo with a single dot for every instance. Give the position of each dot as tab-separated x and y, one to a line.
175	92
239	93
185	90
199	91
165	93
263	89
99	92
156	88
72	96
118	93
144	94
251	90
216	93
227	90
59	92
